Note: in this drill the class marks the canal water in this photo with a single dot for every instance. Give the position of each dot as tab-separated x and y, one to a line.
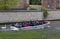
54	24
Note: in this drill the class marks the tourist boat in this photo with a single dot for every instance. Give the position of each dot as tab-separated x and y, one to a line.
31	27
47	25
14	28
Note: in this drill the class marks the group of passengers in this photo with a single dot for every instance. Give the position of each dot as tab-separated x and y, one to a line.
28	23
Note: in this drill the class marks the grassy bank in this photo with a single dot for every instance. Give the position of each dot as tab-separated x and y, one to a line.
30	34
23	34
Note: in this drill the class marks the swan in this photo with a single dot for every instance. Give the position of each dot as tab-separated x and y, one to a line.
4	27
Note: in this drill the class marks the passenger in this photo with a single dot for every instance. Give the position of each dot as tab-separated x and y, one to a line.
40	23
34	23
17	25
31	23
21	25
37	22
26	24
43	22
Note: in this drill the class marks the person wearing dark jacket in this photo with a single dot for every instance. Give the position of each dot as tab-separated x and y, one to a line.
30	23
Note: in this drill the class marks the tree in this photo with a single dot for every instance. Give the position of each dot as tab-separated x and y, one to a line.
7	4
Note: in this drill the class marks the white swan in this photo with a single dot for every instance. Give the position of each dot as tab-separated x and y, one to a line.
4	27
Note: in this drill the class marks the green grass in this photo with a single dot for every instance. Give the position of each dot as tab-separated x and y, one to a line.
56	34
23	34
28	34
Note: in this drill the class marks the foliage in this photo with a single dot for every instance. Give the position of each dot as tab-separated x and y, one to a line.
7	4
32	8
45	13
57	7
35	2
1	7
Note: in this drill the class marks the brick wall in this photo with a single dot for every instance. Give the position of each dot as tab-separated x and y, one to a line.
59	2
45	3
22	4
50	4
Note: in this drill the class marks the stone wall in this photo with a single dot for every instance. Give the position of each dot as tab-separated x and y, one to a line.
17	16
53	15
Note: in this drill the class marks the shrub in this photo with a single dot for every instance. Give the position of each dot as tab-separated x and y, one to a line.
4	7
45	13
6	4
57	7
1	7
32	8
